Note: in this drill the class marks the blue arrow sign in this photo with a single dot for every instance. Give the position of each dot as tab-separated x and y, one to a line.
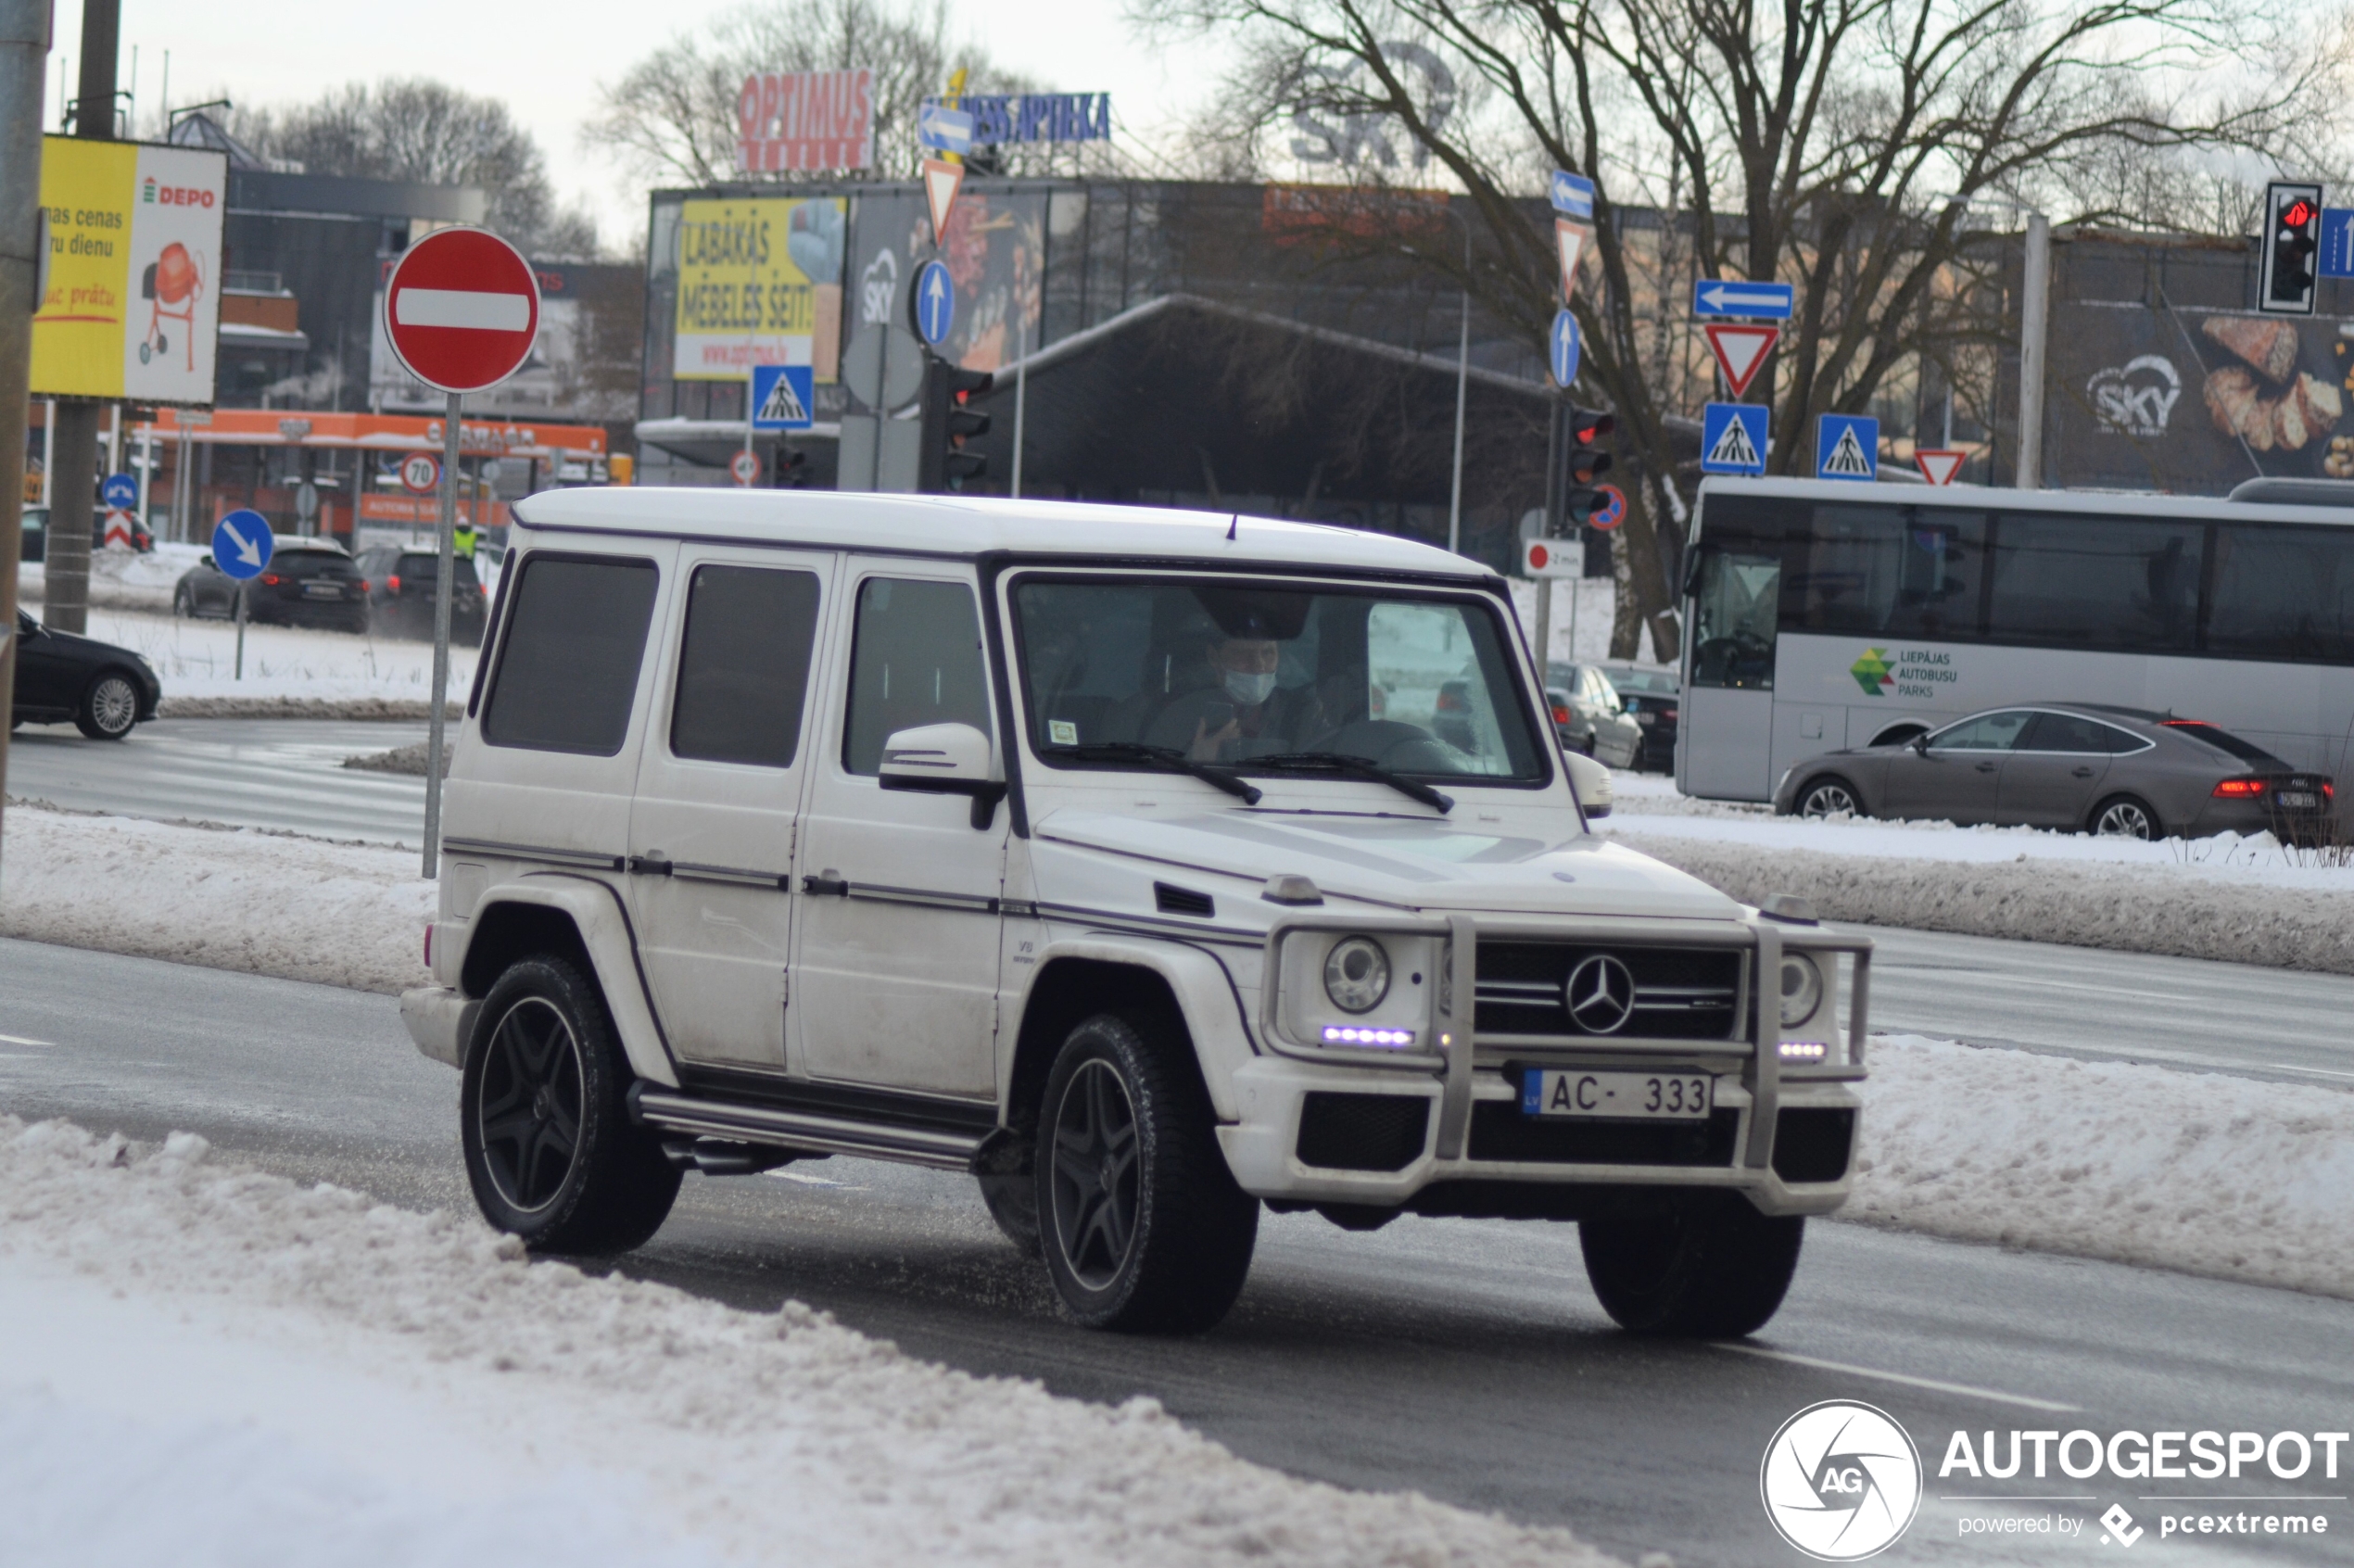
121	492
784	397
241	544
1732	438
1847	447
943	129
1573	194
1565	350
935	302
2337	256
1767	301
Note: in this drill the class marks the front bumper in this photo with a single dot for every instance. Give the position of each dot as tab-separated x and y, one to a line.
1439	1130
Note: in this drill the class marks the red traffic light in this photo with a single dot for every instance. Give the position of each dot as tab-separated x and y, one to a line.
2299	213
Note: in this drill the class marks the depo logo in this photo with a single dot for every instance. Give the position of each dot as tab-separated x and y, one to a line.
174	195
1840	1481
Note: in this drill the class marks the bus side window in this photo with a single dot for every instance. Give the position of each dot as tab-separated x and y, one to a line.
1736	619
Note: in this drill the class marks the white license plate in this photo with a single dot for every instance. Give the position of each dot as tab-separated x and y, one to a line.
1617	1096
2298	800
1646	719
323	590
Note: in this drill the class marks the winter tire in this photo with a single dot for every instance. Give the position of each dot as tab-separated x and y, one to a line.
1828	797
1013	1204
1143	1226
2124	816
109	708
551	1151
1703	1265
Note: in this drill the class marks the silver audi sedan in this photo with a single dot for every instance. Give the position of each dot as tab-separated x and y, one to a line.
2087	768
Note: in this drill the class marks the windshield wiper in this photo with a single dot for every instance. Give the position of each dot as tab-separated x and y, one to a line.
1357	767
1168	759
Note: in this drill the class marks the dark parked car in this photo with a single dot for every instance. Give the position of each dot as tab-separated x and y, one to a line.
102	688
1655	700
34	521
2087	766
308	583
403	587
1593	720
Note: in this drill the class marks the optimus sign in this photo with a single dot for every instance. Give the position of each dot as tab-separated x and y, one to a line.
802	120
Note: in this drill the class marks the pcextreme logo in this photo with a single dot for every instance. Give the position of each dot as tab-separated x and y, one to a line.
1872	674
1840	1481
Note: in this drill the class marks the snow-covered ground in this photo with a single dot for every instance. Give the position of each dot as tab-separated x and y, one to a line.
290	666
1581	626
120	578
288	1375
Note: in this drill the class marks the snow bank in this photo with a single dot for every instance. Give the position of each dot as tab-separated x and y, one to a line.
290	671
2232	1177
267	904
120	578
2284	916
742	1436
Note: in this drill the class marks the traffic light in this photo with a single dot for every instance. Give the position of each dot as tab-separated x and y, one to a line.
1582	498
950	425
2292	239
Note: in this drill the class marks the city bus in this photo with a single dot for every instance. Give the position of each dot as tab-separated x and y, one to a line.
1821	615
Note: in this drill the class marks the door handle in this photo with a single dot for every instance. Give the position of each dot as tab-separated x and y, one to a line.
1986	767
653	865
829	882
2080	773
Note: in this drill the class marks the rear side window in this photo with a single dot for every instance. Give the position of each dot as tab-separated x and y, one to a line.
743	667
568	668
2225	741
2068	732
916	661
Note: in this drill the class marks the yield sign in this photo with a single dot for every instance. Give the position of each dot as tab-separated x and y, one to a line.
462	309
1740	352
943	179
1938	466
1570	240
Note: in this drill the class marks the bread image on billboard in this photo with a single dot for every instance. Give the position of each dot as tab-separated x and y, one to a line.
2265	401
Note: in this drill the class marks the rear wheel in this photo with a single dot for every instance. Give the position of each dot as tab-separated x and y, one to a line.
1702	1265
1143	1226
1828	797
109	709
551	1151
2125	816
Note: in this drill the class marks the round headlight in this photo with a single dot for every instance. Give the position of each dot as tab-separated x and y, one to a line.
1356	974
1802	989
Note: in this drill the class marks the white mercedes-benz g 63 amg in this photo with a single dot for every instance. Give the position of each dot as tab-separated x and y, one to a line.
1148	866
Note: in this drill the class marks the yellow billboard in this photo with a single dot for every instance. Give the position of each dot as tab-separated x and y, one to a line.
132	309
760	283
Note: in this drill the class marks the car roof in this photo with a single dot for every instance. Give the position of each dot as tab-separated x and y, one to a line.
976	526
2113	503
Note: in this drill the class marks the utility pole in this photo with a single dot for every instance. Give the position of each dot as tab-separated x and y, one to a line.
2034	315
66	600
24	49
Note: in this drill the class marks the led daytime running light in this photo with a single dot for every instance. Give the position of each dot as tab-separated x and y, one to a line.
1361	1034
1804	1050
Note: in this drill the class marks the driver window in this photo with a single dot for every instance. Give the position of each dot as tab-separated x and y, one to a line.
1737	617
914	660
1988	732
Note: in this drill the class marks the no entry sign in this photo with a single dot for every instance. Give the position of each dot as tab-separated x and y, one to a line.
462	309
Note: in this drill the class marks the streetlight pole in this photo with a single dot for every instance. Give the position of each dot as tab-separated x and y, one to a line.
1462	387
24	47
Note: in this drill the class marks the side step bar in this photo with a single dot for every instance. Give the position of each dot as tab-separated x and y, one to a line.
803	1130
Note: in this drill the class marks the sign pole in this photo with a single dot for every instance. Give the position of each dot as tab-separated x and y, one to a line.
240	674
449	569
1021	397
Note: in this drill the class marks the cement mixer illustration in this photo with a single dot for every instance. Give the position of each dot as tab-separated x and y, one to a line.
171	286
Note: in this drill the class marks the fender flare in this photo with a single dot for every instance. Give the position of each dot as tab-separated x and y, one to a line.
1207	996
596	913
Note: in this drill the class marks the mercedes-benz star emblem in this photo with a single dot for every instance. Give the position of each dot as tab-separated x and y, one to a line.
1600	994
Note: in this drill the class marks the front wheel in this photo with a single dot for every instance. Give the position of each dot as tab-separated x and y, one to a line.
109	709
1142	1223
1828	797
2122	817
183	603
551	1151
1701	1265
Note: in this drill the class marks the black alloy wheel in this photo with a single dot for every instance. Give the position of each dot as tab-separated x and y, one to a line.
109	708
1142	1225
551	1151
1701	1265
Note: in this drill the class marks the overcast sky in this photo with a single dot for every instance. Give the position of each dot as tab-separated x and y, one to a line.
545	59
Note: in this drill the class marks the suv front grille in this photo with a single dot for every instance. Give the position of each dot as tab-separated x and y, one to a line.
1678	993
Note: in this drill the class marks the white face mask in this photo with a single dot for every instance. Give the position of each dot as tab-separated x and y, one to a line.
1249	689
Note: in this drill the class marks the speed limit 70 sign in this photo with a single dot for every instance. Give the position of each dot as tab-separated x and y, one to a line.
420	475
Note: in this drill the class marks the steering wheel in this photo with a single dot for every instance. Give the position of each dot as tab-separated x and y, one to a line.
1391	743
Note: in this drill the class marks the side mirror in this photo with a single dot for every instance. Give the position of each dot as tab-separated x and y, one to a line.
1920	744
943	759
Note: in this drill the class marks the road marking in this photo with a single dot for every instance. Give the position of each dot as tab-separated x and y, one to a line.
1906	1378
2276	1066
20	1039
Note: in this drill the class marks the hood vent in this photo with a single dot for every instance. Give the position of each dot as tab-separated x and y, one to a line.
1172	900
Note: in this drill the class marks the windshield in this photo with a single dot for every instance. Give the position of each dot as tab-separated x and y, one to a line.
1225	672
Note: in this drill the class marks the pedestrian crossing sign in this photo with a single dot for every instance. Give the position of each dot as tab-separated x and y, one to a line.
1732	438
782	396
1847	447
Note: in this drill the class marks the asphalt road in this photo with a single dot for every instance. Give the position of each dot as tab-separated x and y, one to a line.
249	773
1465	1360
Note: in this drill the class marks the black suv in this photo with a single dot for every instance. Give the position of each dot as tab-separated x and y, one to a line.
308	583
401	585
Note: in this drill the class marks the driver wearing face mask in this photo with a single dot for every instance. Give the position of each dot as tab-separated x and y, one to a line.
1246	715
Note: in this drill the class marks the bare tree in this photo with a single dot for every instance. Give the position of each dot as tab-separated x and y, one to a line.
1835	144
427	130
671	118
